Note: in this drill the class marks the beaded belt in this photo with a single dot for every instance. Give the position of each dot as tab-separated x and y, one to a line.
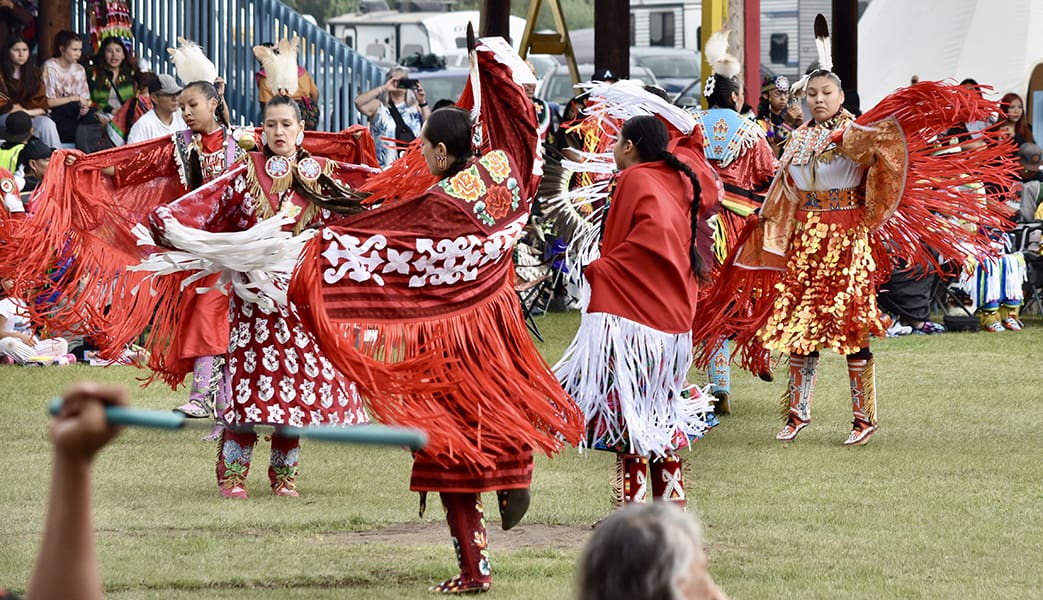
845	199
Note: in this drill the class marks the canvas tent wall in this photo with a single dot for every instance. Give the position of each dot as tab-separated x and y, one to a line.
996	42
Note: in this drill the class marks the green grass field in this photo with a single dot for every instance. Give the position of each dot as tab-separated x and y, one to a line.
944	503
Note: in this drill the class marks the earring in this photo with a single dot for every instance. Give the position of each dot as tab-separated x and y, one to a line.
264	139
300	137
441	161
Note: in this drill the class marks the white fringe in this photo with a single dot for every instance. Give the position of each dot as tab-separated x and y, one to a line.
255	263
1015	274
623	102
645	369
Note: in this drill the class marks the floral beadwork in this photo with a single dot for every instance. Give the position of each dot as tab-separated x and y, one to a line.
496	163
467	185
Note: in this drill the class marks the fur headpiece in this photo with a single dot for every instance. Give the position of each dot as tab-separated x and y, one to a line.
190	63
723	64
280	65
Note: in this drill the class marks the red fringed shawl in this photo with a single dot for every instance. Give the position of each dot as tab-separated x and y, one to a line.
429	273
82	220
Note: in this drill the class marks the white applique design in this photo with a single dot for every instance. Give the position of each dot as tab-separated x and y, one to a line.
248	309
265	391
242	391
308	392
311	366
271	359
290	361
275	413
242	337
326	395
282	332
300	337
253	413
432	262
287	391
296	417
316	417
348	256
249	360
261	331
328	372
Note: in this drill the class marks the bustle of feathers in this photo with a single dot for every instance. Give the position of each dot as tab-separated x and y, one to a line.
280	65
716	52
190	63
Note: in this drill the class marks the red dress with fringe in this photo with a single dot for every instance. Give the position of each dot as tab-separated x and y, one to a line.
806	271
277	372
432	276
82	220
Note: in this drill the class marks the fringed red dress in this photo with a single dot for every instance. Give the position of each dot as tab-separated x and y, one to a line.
430	279
277	373
849	196
627	365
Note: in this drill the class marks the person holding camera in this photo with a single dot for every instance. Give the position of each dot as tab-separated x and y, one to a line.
396	111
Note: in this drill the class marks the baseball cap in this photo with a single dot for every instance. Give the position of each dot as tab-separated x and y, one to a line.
604	75
35	149
167	85
19	125
1030	156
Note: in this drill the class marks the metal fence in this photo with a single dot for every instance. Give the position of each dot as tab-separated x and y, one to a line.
229	29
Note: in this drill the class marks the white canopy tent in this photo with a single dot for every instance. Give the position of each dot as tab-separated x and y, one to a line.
995	42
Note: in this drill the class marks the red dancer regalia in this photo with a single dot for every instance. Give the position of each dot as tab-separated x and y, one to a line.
852	195
428	275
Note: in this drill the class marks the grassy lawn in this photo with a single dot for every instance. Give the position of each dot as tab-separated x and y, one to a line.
945	502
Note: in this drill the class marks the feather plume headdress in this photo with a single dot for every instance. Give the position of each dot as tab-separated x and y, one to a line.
721	62
280	65
190	63
824	49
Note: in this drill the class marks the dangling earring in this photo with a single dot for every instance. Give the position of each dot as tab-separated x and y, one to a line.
264	139
300	137
441	161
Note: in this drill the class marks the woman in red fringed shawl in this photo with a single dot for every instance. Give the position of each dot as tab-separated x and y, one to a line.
276	373
849	195
81	213
429	273
628	363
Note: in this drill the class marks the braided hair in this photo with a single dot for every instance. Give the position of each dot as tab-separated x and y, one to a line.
650	139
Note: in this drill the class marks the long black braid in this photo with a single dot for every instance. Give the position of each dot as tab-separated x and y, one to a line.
649	136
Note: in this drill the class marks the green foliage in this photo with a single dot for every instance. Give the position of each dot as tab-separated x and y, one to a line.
944	502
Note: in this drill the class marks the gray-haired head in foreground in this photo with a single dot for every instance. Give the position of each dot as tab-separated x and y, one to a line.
640	552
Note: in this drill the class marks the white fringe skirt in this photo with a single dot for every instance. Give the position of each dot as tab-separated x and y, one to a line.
630	382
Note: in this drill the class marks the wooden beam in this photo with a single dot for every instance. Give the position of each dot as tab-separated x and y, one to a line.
752	51
54	16
495	19
844	36
612	36
715	15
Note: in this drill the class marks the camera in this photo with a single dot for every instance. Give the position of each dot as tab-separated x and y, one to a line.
406	83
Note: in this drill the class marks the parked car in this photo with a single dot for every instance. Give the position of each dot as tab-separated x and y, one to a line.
556	88
674	68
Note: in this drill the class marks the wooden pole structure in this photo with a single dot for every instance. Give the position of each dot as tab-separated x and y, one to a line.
54	16
752	50
495	19
715	13
612	36
844	35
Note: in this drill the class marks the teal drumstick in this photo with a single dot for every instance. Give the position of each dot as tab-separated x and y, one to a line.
373	435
